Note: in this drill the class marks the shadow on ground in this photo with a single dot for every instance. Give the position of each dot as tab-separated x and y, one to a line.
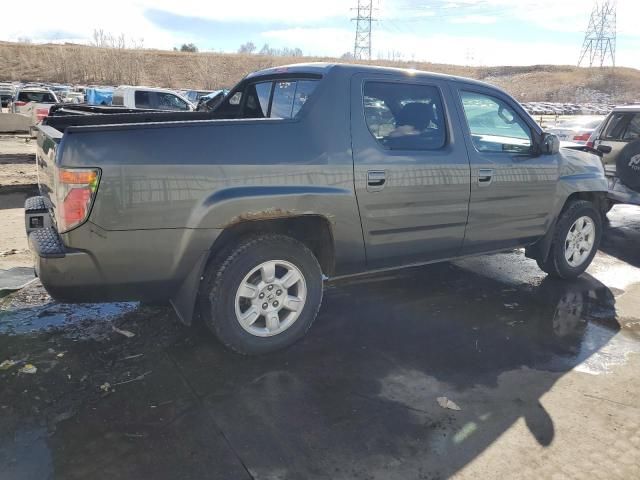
355	399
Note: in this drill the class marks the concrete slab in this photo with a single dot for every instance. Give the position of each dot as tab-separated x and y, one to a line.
14	122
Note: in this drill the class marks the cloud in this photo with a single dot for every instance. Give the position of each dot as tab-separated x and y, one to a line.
450	31
313	41
479	19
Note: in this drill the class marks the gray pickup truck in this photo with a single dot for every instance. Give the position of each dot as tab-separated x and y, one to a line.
301	174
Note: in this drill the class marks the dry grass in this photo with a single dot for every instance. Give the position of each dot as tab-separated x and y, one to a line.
114	66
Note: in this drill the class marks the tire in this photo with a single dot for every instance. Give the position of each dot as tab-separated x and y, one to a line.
628	165
557	264
225	303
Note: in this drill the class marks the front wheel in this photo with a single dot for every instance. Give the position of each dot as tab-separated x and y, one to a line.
575	241
264	295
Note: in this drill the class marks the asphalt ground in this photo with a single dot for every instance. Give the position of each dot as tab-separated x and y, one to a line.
545	374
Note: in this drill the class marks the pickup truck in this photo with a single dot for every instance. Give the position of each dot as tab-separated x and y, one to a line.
302	174
150	98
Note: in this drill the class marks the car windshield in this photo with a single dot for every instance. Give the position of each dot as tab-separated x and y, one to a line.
38	97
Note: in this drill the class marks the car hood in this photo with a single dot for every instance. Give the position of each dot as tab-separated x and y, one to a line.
575	163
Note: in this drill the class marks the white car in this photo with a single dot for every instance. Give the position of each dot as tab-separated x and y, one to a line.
577	129
150	98
27	100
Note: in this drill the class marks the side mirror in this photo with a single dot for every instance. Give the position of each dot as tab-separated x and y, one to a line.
550	144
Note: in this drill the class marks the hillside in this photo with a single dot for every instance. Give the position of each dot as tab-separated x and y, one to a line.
113	66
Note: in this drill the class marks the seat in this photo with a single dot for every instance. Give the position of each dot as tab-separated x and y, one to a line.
413	129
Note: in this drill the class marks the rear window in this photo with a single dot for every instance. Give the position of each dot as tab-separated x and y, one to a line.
622	126
282	99
38	97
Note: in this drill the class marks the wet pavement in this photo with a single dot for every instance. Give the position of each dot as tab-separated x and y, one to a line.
545	374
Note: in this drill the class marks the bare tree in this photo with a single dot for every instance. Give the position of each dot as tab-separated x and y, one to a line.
248	47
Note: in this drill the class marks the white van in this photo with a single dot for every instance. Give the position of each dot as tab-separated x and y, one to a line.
150	98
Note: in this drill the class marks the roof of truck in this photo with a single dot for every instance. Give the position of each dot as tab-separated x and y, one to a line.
321	68
627	108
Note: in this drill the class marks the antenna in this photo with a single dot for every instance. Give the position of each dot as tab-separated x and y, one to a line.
600	39
364	19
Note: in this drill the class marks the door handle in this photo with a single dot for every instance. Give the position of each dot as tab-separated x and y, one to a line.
376	180
485	177
604	148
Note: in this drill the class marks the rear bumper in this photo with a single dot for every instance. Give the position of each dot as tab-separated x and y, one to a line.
68	276
620	193
134	265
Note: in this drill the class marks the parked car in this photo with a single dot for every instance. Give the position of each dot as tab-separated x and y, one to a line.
6	94
150	98
72	97
618	140
194	96
238	219
577	130
211	101
28	99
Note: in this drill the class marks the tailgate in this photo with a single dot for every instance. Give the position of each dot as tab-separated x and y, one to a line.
46	153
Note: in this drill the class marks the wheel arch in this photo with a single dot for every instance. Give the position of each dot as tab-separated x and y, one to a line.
314	231
540	250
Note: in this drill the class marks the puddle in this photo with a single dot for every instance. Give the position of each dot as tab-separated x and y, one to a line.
31	310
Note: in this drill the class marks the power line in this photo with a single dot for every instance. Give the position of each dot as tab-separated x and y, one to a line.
600	39
364	20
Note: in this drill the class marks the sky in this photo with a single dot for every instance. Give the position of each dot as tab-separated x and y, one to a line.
463	32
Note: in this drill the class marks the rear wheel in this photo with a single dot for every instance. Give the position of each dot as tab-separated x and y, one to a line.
263	295
575	241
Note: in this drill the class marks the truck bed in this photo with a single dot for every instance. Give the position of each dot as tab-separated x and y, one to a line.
71	116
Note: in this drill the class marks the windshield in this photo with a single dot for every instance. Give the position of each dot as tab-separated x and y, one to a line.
38	97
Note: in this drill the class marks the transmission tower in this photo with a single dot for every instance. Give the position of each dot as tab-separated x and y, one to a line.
600	40
364	19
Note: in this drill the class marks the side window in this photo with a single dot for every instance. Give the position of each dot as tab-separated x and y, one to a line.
494	125
633	130
257	104
283	96
142	99
280	99
405	116
168	101
303	91
616	126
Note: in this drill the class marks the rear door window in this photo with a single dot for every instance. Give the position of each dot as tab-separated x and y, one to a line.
405	116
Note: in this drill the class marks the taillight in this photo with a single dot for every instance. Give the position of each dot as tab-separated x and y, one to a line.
583	137
18	103
41	114
75	191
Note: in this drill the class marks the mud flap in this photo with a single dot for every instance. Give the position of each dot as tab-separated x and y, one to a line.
540	250
184	301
